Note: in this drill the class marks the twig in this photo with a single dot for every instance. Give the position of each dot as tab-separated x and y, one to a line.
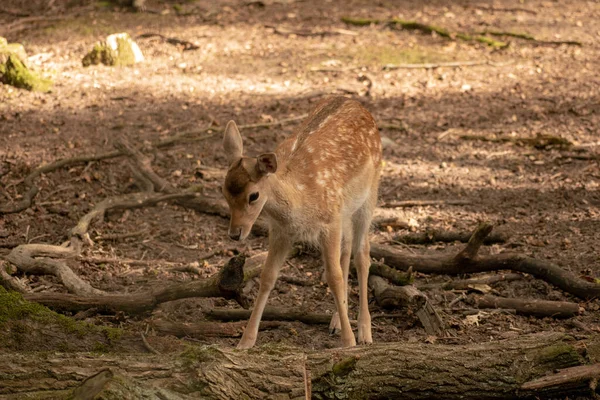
526	36
506	9
147	345
171	40
455	64
309	33
421	203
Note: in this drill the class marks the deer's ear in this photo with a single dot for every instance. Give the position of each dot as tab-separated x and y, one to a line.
232	142
266	164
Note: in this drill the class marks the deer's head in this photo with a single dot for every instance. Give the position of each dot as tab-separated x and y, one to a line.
246	188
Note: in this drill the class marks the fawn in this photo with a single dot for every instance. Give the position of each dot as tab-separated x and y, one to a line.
318	187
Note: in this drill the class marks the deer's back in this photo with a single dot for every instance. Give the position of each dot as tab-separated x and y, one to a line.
333	160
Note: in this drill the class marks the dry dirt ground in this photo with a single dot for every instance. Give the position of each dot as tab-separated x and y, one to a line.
249	68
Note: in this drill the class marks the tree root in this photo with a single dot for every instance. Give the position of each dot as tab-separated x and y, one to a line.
467	261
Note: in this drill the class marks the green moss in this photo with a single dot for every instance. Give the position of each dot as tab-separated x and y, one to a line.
124	51
100	54
562	354
13	72
8	49
344	367
194	355
15	310
14	307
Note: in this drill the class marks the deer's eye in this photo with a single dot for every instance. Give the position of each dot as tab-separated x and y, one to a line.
253	197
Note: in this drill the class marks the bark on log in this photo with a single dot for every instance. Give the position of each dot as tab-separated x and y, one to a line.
467	261
538	308
491	370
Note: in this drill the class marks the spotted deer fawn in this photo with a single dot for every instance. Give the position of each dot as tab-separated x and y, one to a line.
319	187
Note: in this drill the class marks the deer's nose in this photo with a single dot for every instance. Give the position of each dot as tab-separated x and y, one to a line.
235	233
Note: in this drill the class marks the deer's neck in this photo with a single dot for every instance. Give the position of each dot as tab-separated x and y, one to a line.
282	201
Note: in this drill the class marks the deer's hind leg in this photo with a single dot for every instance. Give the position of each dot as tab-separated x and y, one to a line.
362	262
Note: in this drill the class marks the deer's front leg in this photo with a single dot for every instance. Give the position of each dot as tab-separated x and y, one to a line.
279	248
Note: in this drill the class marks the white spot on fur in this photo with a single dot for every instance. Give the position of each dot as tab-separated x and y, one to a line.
300	187
309	149
295	144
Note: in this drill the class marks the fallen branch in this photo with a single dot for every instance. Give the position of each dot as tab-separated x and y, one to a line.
526	36
135	303
506	9
422	203
433	236
186	45
467	261
308	32
204	330
454	64
538	308
541	142
38	259
270	314
388	296
574	376
473	283
399	278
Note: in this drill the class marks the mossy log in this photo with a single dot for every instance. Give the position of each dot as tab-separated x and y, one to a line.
492	370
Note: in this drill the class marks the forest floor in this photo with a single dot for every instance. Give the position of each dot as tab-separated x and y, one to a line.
269	60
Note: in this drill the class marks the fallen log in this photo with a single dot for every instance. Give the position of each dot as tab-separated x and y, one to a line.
468	261
507	369
538	308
